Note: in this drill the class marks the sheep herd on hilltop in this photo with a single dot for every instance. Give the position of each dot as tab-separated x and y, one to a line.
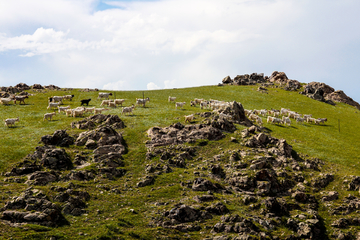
55	103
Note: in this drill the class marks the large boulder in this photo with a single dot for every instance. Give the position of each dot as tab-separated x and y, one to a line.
104	135
59	138
56	159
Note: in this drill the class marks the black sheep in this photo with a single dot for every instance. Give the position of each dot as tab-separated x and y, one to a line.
85	101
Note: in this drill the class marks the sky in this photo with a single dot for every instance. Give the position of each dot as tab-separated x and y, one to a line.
157	44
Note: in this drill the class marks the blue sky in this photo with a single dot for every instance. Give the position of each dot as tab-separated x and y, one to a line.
136	45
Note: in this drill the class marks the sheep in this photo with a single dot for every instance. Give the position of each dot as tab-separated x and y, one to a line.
6	101
198	100
119	101
286	120
189	118
78	113
11	121
276	114
270	119
112	104
192	104
20	99
306	116
299	119
225	116
56	99
259	121
62	109
105	102
140	101
247	112
53	105
171	99
104	95
277	120
100	110
284	111
85	101
310	119
320	120
89	109
68	97
263	112
179	104
68	112
204	104
127	109
253	117
48	116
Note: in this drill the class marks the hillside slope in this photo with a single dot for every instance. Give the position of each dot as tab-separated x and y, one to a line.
217	183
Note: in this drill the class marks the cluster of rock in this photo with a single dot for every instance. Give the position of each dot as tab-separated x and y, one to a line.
325	93
269	180
22	87
210	129
246	79
255	78
104	120
31	207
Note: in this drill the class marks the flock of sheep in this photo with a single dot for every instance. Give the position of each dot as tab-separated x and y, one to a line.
55	102
273	116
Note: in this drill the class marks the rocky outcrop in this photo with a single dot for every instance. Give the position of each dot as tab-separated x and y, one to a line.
31	207
59	138
104	120
246	79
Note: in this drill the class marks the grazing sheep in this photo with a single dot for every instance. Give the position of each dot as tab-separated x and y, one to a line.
104	95
89	109
119	101
53	105
204	104
172	99
284	111
112	104
100	110
306	116
85	101
192	104
11	121
310	119
105	102
286	120
62	109
6	101
198	100
276	114
299	119
140	101
57	99
68	97
270	119
259	121
277	121
78	113
253	117
48	116
179	104
322	120
21	99
128	109
189	118
68	112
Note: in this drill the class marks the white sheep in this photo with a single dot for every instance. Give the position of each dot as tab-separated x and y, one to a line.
68	97
277	121
140	101
127	109
105	102
189	118
48	116
171	99
286	120
62	109
270	119
11	121
112	104
6	101
204	104
299	119
198	100
119	101
89	109
78	113
104	95
179	104
53	105
100	110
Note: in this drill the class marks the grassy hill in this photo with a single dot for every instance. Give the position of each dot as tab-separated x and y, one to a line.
128	213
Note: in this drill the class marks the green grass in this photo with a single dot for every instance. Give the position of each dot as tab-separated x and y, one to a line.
339	149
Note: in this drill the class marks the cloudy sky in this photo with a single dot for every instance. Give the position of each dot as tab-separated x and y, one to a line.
156	44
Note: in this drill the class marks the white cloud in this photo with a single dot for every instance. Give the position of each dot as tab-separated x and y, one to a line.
152	86
72	44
